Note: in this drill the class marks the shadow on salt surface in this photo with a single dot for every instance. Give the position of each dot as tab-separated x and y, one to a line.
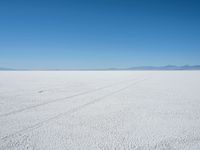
41	91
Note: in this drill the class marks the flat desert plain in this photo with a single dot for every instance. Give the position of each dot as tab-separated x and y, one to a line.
100	110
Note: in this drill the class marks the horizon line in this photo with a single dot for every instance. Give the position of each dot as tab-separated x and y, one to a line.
145	67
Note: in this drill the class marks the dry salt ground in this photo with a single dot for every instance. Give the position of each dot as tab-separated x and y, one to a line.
100	110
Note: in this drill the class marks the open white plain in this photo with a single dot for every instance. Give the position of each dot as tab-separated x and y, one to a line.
105	110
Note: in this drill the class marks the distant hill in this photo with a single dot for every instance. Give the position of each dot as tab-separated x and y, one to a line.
5	69
168	67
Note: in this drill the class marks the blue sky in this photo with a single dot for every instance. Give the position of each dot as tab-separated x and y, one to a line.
80	34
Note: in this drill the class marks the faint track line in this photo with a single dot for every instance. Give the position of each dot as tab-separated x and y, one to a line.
70	111
62	99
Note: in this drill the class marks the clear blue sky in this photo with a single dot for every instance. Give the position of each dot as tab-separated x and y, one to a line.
77	34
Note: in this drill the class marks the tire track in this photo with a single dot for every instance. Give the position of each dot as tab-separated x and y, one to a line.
62	99
76	109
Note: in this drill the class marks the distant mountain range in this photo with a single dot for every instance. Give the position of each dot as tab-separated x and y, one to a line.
6	69
168	67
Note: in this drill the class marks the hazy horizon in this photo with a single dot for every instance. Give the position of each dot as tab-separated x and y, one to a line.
165	67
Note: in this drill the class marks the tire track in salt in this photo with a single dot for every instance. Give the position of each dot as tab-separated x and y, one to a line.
62	99
76	109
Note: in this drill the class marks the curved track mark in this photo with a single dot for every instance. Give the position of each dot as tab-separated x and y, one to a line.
61	99
70	111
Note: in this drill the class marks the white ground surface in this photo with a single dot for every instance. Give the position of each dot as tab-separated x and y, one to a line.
107	110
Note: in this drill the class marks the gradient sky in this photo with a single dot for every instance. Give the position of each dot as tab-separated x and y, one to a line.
80	34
